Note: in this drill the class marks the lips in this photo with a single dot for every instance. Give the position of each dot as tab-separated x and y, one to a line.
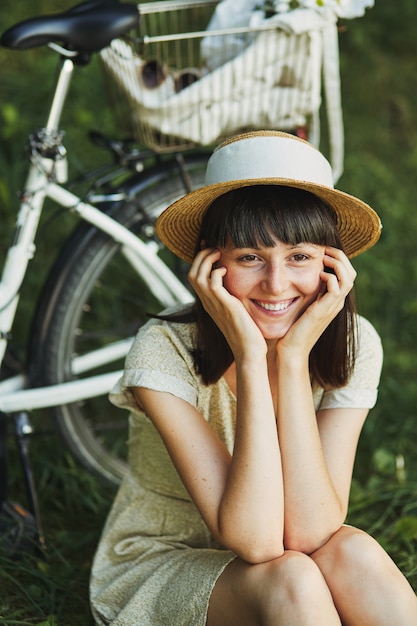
274	306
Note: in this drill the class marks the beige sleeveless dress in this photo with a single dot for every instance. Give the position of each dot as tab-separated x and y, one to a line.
157	563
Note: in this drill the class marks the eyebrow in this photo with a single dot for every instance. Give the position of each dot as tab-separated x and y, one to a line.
290	246
305	243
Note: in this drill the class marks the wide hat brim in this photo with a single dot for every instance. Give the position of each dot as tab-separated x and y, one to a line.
178	227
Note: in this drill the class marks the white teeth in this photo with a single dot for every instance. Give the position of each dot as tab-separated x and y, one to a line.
275	307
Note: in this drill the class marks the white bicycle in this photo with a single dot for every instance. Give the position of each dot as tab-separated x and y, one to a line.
109	273
112	270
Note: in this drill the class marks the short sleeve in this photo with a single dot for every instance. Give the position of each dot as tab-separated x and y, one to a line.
362	388
160	359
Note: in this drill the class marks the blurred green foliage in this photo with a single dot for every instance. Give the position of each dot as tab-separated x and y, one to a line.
379	83
379	95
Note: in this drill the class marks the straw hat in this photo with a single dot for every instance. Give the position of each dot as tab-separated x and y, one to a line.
267	158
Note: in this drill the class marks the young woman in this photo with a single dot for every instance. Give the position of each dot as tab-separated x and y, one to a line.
246	410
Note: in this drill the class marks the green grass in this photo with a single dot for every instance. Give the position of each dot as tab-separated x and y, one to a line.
52	588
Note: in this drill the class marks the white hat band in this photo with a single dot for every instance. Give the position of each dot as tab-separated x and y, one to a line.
259	158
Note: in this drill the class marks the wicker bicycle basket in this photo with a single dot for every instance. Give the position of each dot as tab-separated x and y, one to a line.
188	84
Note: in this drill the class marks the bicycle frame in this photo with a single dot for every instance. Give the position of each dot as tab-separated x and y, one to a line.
46	176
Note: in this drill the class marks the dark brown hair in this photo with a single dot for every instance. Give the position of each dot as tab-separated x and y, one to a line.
258	216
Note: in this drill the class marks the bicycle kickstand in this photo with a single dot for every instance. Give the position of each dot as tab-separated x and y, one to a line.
24	431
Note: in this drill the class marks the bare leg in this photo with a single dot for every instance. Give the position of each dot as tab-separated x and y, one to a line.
367	587
288	590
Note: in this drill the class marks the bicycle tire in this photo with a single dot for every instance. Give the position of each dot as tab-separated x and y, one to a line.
92	297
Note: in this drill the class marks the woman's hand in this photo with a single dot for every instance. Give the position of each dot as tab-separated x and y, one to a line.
229	314
335	286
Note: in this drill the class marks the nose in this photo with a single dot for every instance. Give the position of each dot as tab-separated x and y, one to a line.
275	279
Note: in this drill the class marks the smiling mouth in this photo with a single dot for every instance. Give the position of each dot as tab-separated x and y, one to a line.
277	306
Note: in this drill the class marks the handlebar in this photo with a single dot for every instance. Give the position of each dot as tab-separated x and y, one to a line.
88	27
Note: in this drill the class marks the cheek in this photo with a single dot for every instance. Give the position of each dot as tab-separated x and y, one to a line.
307	279
231	282
236	282
312	282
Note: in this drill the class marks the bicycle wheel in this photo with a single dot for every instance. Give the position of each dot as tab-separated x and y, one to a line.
93	299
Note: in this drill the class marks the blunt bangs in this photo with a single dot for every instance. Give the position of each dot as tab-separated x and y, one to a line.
260	215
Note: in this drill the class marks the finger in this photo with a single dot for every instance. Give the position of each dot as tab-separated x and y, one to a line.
341	268
203	263
335	255
207	255
330	284
322	290
216	277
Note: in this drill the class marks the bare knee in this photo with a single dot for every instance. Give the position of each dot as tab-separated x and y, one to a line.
352	550
294	575
366	585
293	589
289	589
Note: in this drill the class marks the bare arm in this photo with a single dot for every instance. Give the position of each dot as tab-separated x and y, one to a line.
317	456
317	450
239	496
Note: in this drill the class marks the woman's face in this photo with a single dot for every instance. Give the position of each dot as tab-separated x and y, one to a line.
275	284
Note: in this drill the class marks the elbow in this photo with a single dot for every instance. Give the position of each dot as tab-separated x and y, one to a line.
255	550
254	541
255	556
306	545
309	542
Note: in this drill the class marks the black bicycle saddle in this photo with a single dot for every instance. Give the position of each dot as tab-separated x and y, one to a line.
87	27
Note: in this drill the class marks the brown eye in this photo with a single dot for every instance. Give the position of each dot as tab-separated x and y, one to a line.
300	257
248	258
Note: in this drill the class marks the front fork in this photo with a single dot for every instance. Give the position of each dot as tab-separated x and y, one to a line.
48	161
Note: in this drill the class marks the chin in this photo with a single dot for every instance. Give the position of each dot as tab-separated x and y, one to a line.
271	334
